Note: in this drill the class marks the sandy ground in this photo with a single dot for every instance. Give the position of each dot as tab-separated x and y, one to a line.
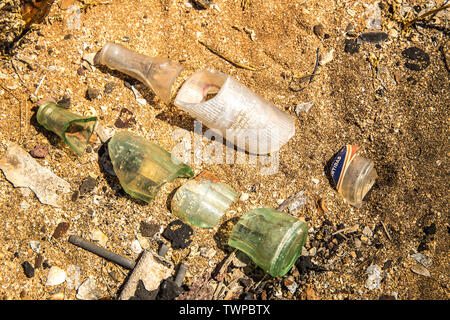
399	117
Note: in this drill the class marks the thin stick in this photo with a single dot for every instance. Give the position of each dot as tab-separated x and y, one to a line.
236	64
386	231
426	14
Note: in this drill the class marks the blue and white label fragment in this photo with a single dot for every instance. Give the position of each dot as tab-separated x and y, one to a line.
341	163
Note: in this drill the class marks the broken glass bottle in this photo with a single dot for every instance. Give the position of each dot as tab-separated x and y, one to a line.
143	167
235	112
203	201
75	130
272	239
157	73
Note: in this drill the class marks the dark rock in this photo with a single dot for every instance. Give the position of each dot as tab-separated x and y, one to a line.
28	269
168	290
387	264
351	46
417	59
143	294
430	230
61	229
39	152
46	265
373	37
67	36
148	229
92	93
179	234
422	246
126	119
87	185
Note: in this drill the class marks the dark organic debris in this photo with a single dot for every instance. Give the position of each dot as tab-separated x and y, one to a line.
305	264
179	234
417	59
169	290
430	230
351	46
28	269
199	290
373	37
143	294
126	119
39	152
61	229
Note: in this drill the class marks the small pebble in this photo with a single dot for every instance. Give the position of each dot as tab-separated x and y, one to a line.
92	93
61	229
55	276
374	279
327	57
244	197
88	290
87	185
35	246
351	30
319	31
28	269
290	284
205	4
136	247
367	232
207	252
39	152
420	270
73	280
98	236
109	87
303	107
38	261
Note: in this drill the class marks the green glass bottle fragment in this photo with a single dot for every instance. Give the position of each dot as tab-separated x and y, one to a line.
74	129
272	239
143	167
203	201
